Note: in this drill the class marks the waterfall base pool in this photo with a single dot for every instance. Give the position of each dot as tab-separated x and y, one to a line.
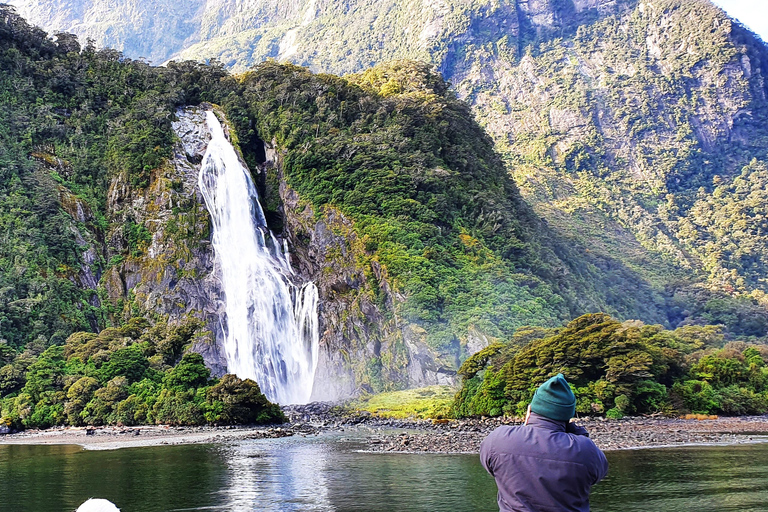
327	474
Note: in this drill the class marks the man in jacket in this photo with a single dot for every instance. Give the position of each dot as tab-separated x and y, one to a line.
548	464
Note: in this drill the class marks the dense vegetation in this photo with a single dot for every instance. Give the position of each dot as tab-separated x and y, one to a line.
132	375
619	368
391	148
70	119
629	148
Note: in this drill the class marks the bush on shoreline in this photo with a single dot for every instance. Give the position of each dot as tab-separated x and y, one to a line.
130	375
619	368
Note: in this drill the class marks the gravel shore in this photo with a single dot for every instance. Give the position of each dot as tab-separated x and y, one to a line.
375	434
465	436
112	438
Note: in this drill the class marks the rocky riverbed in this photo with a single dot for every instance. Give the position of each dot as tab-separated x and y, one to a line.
372	433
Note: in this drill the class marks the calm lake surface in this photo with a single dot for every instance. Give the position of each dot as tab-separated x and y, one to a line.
326	474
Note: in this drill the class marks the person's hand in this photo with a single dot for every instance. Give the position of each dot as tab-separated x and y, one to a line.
572	428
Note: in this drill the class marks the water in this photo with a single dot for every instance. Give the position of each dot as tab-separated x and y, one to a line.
732	478
271	326
326	474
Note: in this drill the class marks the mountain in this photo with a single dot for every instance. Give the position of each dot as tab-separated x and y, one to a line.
333	36
635	129
634	132
389	196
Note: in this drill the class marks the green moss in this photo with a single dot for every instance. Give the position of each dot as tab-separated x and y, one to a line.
430	402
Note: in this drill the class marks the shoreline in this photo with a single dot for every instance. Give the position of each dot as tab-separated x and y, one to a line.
115	438
382	435
608	435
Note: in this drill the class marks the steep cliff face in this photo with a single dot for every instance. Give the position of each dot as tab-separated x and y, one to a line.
169	272
318	33
80	225
345	37
630	124
364	345
142	29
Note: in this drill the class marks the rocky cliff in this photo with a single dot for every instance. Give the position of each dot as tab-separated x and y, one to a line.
171	274
364	345
312	32
164	229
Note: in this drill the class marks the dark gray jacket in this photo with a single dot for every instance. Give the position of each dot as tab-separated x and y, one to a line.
545	466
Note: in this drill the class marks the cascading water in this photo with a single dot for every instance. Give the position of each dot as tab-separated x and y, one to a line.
272	331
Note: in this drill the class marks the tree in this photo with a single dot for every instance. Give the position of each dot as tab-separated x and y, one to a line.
235	401
128	362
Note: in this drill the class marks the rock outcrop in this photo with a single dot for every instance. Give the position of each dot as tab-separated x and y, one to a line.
364	346
169	272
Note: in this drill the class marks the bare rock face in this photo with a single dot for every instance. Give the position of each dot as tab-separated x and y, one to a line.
364	345
170	271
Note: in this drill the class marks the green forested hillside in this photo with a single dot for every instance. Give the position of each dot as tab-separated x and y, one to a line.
644	156
652	119
442	225
69	119
619	121
392	148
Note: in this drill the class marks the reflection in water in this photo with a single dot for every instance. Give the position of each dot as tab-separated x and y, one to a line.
277	475
322	475
326	474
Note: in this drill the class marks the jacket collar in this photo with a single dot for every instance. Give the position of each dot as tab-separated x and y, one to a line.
539	421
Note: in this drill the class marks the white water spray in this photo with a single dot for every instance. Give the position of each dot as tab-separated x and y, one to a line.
272	331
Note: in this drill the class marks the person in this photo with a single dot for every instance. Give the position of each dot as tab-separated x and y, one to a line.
548	464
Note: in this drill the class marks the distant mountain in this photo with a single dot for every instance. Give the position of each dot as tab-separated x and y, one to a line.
636	129
333	36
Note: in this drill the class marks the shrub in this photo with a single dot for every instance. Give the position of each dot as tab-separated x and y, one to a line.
177	407
128	362
191	372
78	395
622	403
233	400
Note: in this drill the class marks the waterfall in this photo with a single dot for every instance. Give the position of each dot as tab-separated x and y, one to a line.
271	329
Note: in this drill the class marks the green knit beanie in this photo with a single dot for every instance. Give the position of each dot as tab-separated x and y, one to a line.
554	399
